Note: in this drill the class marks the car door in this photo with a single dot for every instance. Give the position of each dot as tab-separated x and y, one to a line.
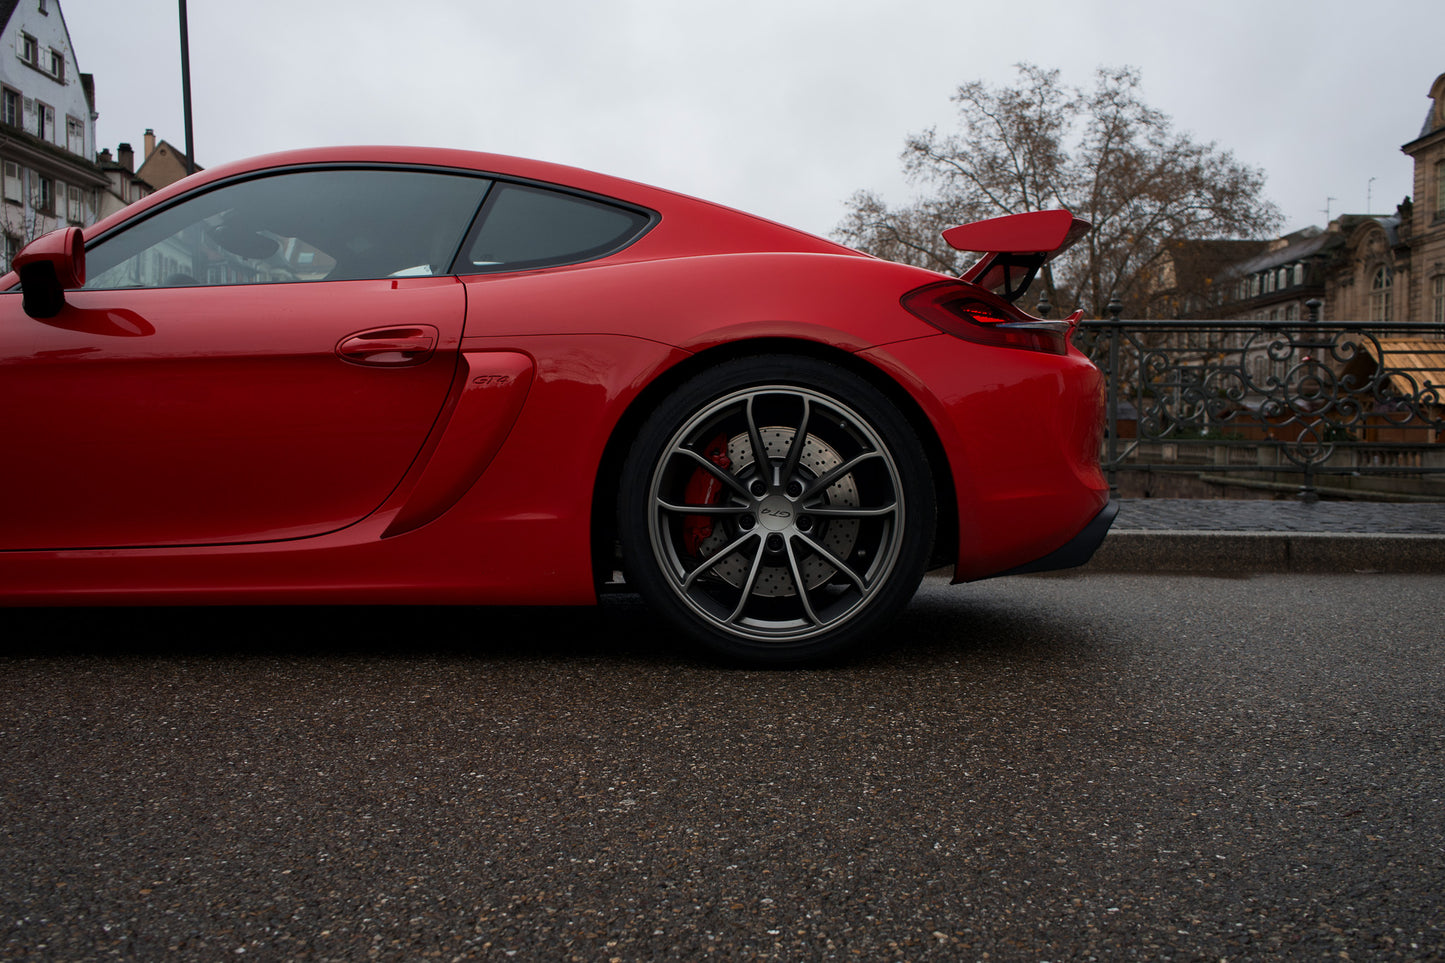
261	360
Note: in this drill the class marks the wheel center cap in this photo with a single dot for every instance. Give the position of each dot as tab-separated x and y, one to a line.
776	513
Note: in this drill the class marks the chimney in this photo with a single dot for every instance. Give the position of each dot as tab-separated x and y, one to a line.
150	144
126	157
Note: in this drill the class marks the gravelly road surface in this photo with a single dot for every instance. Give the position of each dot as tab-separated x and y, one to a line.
1120	767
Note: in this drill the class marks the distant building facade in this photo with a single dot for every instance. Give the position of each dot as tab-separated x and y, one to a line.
1361	267
161	165
47	127
1424	294
124	185
1370	269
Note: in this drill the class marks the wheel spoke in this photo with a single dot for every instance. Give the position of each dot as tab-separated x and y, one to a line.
747	591
761	461
800	440
802	586
822	484
717	557
717	471
704	509
831	559
849	511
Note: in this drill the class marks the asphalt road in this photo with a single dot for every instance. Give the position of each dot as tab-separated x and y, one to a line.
1110	766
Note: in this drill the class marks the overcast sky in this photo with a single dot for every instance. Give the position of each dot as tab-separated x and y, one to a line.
779	107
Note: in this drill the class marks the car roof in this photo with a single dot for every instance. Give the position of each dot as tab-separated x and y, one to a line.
692	225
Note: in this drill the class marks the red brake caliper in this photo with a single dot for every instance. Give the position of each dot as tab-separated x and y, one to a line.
704	489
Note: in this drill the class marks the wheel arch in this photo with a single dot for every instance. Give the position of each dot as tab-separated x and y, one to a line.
604	493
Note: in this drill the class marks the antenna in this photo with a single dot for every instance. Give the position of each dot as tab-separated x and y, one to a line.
1369	186
1327	209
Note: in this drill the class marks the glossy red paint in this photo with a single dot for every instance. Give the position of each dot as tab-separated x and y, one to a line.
234	421
1015	433
450	438
64	250
1016	233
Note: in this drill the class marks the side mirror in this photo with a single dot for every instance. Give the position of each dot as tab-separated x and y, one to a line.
47	266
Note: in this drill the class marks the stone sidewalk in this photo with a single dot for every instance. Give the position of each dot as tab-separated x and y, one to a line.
1229	537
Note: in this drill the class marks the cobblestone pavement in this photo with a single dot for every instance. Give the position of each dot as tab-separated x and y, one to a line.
1227	515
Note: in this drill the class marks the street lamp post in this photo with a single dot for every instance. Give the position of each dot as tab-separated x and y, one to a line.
186	90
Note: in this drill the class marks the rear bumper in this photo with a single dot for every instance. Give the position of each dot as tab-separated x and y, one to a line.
1077	550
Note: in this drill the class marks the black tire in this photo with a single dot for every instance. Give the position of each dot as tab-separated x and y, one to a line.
720	544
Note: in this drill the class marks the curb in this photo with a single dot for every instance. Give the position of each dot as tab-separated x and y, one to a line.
1238	553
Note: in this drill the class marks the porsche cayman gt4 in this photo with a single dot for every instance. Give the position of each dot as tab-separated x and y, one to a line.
391	375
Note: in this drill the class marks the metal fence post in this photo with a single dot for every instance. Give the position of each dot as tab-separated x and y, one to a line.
1115	308
1307	493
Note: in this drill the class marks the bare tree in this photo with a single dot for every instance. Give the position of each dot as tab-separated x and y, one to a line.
1102	153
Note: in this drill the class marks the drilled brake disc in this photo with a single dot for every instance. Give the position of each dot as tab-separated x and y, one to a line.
837	535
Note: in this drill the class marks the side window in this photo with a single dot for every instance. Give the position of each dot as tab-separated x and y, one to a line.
527	227
318	225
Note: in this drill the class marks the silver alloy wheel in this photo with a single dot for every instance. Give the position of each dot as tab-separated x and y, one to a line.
785	547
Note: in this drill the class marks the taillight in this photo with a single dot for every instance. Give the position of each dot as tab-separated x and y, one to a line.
957	309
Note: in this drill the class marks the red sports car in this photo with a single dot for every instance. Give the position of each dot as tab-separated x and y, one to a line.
389	375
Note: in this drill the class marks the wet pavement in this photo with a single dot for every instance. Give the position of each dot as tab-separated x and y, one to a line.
1033	768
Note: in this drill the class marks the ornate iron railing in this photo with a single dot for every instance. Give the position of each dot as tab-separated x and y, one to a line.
1285	399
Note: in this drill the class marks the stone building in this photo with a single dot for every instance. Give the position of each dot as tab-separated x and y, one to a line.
1361	267
47	126
53	175
1392	269
124	185
161	165
1368	268
1424	292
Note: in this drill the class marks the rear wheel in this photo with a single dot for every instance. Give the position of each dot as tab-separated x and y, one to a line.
779	509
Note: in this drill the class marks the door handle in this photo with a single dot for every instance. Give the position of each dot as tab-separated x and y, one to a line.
390	347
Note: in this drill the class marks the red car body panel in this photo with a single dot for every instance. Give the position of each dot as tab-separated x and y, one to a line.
440	439
230	422
1022	440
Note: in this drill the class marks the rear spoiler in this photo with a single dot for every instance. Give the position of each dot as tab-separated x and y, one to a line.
1015	246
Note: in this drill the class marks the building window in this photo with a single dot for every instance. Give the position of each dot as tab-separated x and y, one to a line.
12	183
76	211
28	49
12	248
57	65
1438	308
44	121
45	200
1440	188
43	9
1380	295
75	136
11	107
1299	273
